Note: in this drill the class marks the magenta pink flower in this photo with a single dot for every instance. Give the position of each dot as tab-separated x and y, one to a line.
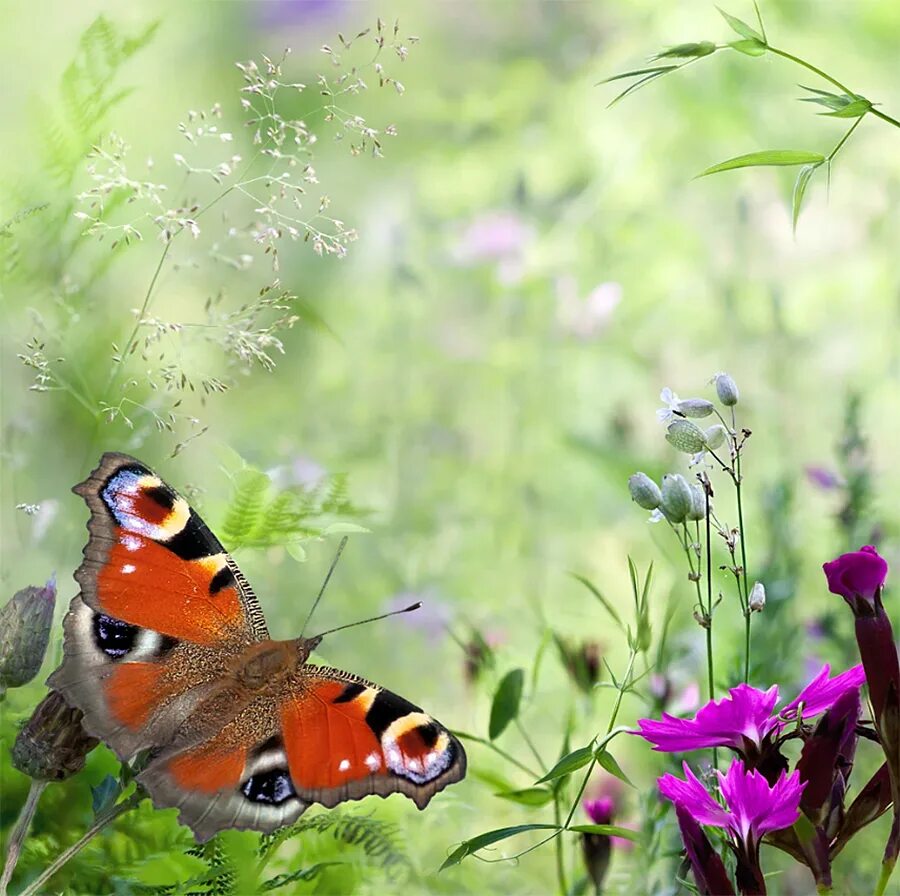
857	575
745	717
753	808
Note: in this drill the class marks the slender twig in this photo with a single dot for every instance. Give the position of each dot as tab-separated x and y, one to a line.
37	885
462	735
709	607
740	509
20	831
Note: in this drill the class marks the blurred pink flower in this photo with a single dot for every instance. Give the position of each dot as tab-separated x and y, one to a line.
301	471
430	619
822	477
498	237
588	317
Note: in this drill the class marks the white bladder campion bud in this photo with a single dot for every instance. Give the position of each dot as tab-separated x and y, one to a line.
644	491
757	597
686	436
715	437
695	407
726	389
698	503
676	497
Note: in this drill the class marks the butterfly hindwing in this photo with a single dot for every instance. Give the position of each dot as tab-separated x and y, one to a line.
346	738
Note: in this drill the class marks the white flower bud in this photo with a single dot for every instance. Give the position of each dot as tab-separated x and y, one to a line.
726	389
698	503
695	407
715	436
757	597
644	491
676	497
686	436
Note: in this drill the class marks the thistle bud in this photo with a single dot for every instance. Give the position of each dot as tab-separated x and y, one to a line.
715	437
757	599
24	633
644	491
698	503
52	745
676	497
686	436
695	407
726	389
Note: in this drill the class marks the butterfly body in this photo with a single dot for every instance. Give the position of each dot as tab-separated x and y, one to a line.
167	650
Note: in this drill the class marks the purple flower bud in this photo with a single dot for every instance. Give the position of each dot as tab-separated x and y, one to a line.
24	633
857	576
709	869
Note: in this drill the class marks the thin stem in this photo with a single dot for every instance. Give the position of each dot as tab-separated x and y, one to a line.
37	885
524	732
462	735
844	139
558	844
709	611
740	509
20	832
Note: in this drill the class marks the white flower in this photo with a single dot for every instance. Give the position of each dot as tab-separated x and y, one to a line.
670	400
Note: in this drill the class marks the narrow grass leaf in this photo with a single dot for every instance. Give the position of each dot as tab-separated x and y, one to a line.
694	50
639	84
610	830
749	46
852	110
768	157
800	185
507	700
656	69
596	592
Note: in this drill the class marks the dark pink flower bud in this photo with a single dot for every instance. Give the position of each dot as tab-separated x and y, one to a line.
857	576
709	869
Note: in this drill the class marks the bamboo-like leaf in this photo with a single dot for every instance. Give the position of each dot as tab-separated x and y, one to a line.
642	83
740	27
507	700
767	157
694	50
856	109
800	185
656	69
611	830
467	847
607	761
569	763
530	796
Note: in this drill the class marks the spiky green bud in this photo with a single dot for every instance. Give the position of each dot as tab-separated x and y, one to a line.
686	436
676	497
24	633
695	407
644	491
715	436
726	389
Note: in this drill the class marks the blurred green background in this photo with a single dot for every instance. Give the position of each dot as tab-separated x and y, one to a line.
483	365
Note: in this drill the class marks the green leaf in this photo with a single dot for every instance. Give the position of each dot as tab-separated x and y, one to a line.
852	110
467	847
741	27
607	761
767	157
749	47
639	84
570	763
654	70
304	874
596	592
610	830
800	185
688	51
296	551
342	527
507	698
530	796
167	869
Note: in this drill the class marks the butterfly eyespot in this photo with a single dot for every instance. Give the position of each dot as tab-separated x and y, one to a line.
273	787
114	637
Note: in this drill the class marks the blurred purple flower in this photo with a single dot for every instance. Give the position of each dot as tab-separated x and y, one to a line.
498	237
588	317
822	477
430	619
302	472
287	13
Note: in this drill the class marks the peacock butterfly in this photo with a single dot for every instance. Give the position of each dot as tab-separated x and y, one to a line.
167	651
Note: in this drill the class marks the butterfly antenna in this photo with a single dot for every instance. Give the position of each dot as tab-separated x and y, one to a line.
334	562
408	609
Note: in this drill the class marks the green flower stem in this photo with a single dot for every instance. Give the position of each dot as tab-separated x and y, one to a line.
37	885
20	832
738	479
462	735
709	631
887	868
558	844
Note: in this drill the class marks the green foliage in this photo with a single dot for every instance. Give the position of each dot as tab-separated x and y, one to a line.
506	703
